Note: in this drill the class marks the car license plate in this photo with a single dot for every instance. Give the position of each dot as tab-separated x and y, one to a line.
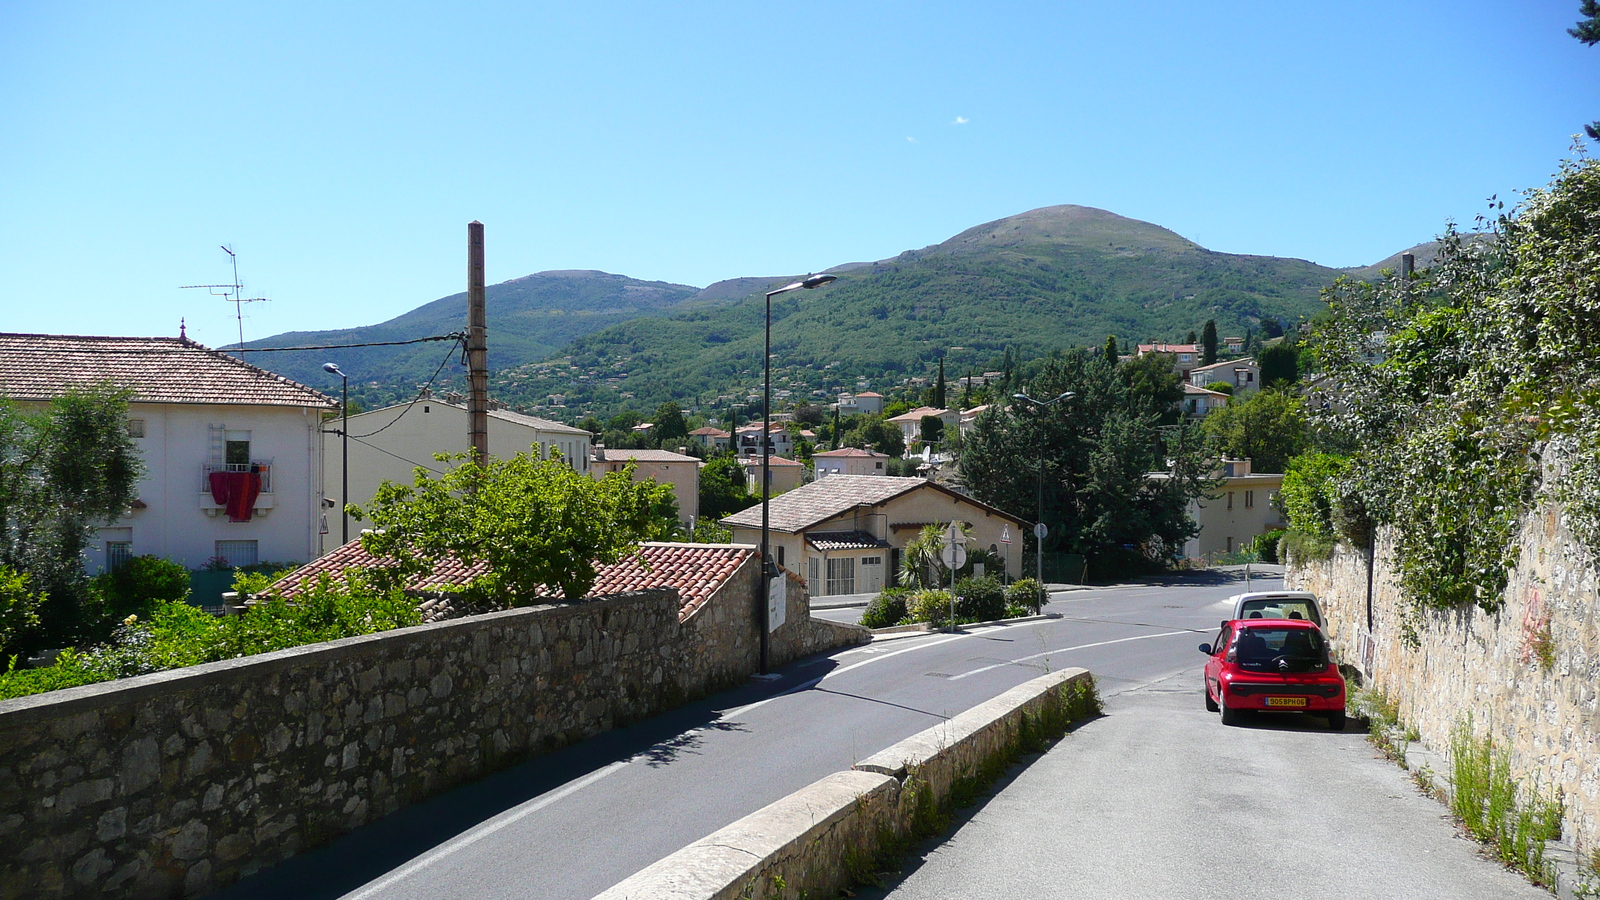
1286	701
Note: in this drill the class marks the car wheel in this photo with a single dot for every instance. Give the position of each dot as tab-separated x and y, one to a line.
1231	716
1211	705
1336	721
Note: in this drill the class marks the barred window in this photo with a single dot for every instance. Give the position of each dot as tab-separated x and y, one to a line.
238	553
841	576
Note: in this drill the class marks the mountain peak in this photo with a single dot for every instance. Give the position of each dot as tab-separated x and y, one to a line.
1070	224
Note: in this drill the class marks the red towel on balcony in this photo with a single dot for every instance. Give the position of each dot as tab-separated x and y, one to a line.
237	491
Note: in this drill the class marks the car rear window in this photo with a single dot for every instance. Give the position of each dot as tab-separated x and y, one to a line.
1279	608
1262	648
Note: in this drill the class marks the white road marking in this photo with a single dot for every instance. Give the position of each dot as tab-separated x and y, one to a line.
1140	637
505	819
730	713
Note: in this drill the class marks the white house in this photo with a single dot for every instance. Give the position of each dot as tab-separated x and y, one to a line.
389	444
850	461
232	453
1243	374
863	403
911	422
712	438
778	438
1199	402
969	417
846	533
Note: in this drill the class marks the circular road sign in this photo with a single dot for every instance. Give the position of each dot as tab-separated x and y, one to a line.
1041	531
954	556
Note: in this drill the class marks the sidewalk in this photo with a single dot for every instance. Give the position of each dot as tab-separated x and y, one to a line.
1158	799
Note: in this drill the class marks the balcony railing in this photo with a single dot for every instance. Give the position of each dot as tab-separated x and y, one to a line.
261	467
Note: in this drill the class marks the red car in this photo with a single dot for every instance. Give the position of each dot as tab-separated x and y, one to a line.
1272	665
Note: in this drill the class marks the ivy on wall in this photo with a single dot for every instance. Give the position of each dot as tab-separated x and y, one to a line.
1447	389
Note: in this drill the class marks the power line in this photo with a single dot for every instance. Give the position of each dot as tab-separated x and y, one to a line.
461	341
452	336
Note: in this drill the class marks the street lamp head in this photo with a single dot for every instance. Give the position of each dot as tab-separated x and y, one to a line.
815	281
332	369
1066	395
1023	397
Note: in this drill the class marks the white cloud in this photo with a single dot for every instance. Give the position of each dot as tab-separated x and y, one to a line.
911	139
961	120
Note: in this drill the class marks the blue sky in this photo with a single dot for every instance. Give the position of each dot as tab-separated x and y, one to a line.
341	149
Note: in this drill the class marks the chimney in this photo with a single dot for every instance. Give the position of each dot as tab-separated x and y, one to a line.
1408	265
599	452
477	348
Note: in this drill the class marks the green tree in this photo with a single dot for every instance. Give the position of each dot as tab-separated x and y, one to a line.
1190	338
1588	31
19	611
938	388
877	433
1268	427
1208	343
932	429
64	472
670	425
1111	347
723	489
1280	365
1096	450
537	525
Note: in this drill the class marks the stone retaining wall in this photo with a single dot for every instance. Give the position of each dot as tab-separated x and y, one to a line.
176	783
803	845
1491	666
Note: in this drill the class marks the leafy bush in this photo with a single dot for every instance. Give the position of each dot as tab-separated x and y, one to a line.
929	606
19	607
886	609
176	634
1027	595
139	583
980	599
1309	488
1265	546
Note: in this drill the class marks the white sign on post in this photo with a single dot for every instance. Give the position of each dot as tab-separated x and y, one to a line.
1005	535
953	535
777	601
954	556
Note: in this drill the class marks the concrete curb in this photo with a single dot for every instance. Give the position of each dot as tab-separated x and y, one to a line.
807	843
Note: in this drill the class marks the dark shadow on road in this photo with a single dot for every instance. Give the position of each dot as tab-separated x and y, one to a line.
940	716
1292	721
372	851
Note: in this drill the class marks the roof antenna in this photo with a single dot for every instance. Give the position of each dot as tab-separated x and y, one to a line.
234	292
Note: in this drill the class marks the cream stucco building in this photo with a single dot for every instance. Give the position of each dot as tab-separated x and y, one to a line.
845	533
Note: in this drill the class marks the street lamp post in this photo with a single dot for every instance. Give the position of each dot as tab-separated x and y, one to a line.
1038	549
344	440
769	569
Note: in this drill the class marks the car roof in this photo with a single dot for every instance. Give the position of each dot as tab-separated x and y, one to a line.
1273	595
1277	623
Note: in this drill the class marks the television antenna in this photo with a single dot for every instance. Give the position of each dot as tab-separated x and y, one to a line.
233	292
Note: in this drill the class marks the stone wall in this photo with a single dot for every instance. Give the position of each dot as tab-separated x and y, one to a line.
177	783
1491	666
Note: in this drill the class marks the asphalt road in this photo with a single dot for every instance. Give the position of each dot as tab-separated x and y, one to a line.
573	823
1158	799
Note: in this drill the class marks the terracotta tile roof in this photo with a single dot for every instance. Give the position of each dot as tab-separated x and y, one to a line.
851	453
709	431
613	454
1247	362
1169	348
754	462
916	415
696	570
809	504
845	540
156	369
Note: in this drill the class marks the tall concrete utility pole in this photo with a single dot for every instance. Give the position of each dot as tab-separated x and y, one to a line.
477	348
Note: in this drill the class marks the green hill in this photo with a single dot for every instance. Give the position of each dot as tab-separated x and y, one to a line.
529	318
1049	279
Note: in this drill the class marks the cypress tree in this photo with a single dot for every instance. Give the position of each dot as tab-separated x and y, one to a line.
1208	337
938	389
1111	348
